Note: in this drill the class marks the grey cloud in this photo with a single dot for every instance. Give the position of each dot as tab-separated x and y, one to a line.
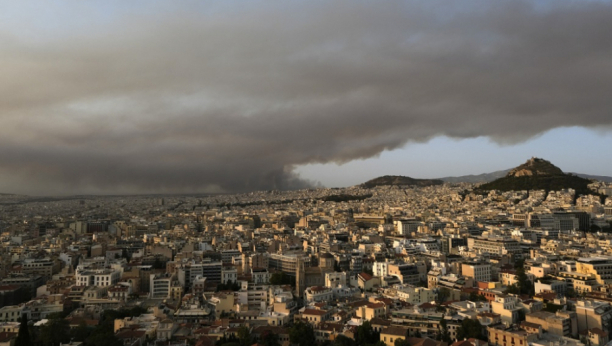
182	102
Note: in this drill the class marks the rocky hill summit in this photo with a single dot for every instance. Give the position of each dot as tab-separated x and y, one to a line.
538	174
535	167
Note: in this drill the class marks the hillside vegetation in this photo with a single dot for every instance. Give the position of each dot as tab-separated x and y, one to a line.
391	180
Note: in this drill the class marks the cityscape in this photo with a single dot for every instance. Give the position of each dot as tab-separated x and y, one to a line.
306	173
393	261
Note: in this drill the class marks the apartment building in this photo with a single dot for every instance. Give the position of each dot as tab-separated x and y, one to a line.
260	276
593	314
44	267
97	277
160	285
599	267
507	307
408	273
287	263
317	294
188	272
561	323
406	227
478	271
500	336
497	246
229	274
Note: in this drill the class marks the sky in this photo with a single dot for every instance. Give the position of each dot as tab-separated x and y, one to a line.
117	97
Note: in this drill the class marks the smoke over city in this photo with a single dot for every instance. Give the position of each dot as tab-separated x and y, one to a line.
183	101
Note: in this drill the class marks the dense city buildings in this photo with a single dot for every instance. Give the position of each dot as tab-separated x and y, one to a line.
424	265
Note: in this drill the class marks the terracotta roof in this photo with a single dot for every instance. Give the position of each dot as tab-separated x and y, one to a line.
330	327
274	329
427	306
380	321
393	330
318	288
206	340
489	314
7	336
462	343
530	325
387	301
375	305
365	276
130	334
314	312
358	303
598	331
425	342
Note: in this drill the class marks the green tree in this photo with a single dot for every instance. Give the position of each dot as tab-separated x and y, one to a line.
56	331
524	284
244	336
281	279
302	334
475	297
512	289
443	294
229	286
337	267
80	333
103	339
232	340
365	335
521	315
469	329
342	340
23	337
519	263
401	342
443	334
158	264
103	335
269	339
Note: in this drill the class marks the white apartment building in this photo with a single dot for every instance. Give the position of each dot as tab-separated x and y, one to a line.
97	277
416	295
252	295
229	274
260	276
507	307
317	294
404	227
498	246
380	269
477	271
335	279
160	285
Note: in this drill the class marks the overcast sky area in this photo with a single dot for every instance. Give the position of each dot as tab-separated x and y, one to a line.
188	96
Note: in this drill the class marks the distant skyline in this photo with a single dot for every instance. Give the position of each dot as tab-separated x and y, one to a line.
116	97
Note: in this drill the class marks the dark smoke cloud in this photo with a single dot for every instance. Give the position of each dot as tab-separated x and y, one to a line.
186	102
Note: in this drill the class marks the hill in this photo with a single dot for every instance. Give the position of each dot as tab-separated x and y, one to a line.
391	180
538	174
594	177
489	177
535	167
476	178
